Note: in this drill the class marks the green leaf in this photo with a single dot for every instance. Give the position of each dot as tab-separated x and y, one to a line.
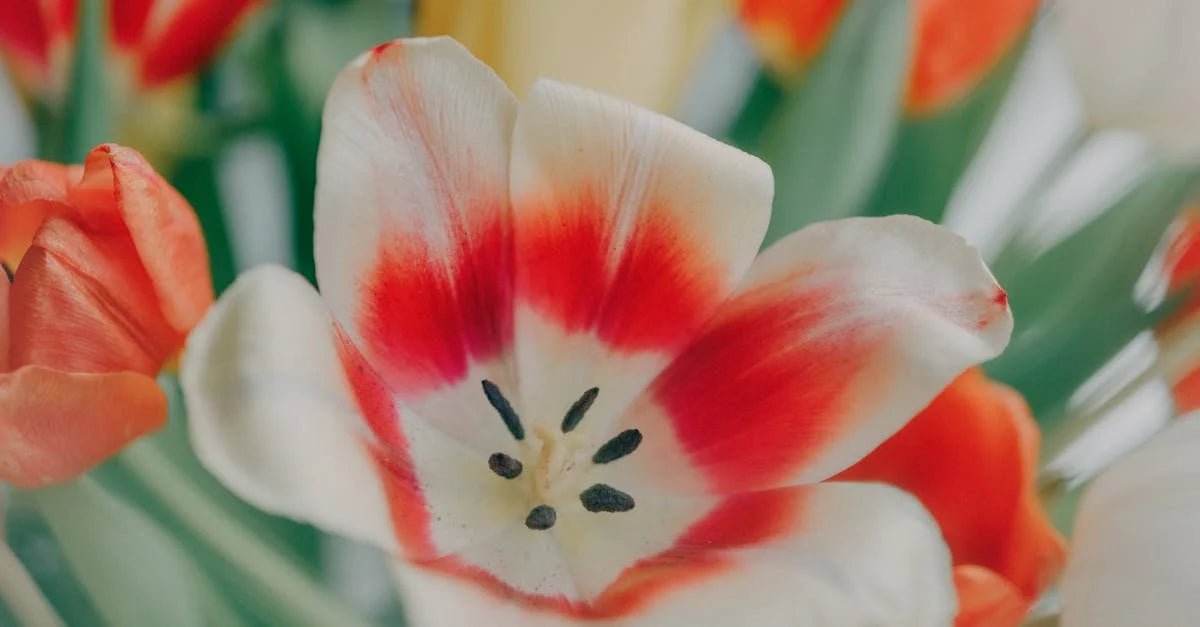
134	572
88	113
1073	304
829	137
933	151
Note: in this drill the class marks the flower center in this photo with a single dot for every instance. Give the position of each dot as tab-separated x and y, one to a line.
559	459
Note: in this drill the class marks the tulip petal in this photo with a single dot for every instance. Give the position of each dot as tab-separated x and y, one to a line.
971	458
5	341
840	334
289	416
957	43
271	414
846	554
24	34
81	302
630	230
1134	553
122	195
55	426
986	599
178	37
29	191
412	219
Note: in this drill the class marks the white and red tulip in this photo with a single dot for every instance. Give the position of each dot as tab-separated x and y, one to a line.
547	372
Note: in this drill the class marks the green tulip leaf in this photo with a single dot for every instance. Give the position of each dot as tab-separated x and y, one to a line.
932	151
135	573
1074	303
828	138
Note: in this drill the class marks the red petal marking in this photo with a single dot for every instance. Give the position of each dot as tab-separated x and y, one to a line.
755	395
55	426
986	599
699	553
410	515
425	315
1181	264
29	192
24	33
128	20
189	37
958	42
790	33
971	458
648	293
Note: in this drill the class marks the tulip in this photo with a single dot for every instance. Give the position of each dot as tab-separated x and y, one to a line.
548	375
108	275
156	41
971	458
640	51
956	43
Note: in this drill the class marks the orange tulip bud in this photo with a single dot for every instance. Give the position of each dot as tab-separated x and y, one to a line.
110	275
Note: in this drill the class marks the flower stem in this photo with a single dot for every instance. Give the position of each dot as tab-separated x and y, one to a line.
295	592
88	118
21	594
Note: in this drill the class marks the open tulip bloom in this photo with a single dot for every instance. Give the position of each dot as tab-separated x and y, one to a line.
547	373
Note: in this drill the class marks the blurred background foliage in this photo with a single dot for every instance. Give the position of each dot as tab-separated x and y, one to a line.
861	107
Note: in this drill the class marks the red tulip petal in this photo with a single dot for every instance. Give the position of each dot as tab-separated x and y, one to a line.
4	326
412	220
789	33
840	334
178	43
958	42
971	459
55	425
24	33
122	196
128	20
986	599
82	302
630	230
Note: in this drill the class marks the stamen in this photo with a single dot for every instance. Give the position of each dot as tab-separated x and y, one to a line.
625	443
576	412
605	498
507	413
541	517
505	466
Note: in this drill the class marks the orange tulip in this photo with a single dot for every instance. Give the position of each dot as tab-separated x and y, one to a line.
971	458
109	273
160	40
956	42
